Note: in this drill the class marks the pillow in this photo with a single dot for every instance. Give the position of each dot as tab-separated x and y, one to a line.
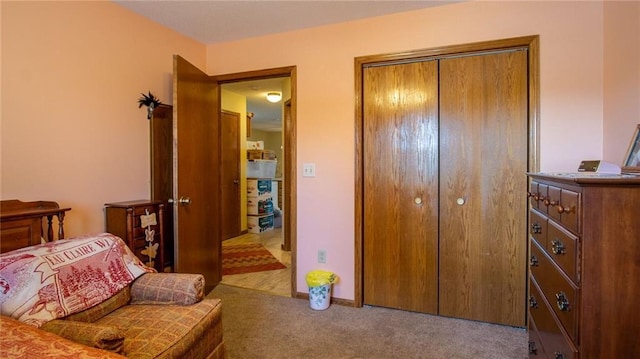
168	288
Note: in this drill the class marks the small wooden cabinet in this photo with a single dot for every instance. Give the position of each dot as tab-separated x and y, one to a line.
583	266
126	220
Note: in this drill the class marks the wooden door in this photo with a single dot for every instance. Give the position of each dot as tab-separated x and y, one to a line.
483	207
400	151
230	177
196	173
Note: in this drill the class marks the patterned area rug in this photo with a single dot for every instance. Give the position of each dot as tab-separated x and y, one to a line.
248	258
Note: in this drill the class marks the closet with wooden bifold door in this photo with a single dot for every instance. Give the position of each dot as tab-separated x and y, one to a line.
444	157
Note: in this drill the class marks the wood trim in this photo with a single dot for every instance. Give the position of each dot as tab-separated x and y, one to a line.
257	75
534	103
290	141
531	43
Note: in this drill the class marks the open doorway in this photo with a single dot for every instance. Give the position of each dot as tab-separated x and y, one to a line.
264	132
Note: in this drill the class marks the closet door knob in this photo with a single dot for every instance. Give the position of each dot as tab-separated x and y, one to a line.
418	200
460	201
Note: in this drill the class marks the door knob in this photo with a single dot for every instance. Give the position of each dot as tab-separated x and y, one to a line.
460	201
185	201
236	181
418	200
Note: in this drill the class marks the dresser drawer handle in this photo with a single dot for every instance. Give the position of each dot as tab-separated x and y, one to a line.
557	247
562	302
532	348
533	261
533	303
536	228
548	202
558	355
566	209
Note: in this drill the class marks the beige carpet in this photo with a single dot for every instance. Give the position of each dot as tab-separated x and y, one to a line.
258	325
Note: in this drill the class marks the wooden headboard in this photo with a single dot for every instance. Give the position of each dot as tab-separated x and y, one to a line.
21	223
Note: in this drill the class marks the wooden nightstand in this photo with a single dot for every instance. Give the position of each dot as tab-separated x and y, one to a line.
126	220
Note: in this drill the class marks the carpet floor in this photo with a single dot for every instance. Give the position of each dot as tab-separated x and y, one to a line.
248	258
258	325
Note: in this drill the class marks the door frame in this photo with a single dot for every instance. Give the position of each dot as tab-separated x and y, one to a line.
289	152
531	43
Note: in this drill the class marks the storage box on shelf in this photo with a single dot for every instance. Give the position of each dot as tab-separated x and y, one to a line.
261	155
259	224
584	246
260	205
260	195
261	168
259	187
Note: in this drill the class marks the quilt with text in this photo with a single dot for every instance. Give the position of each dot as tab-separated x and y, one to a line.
52	280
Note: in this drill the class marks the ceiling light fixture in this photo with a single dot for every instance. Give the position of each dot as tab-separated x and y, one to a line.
274	97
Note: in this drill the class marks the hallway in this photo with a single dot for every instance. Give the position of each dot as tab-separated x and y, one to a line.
276	282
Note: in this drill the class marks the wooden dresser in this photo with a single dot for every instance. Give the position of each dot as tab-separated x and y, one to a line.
584	266
127	220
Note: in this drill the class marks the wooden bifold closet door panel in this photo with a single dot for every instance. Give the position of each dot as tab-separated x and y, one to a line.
400	187
483	204
444	162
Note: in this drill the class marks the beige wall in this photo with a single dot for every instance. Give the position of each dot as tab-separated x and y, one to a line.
72	73
571	106
621	77
71	129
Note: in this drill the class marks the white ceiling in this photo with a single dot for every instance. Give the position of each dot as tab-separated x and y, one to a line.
268	116
213	21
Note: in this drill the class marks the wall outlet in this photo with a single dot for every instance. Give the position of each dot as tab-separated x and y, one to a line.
322	256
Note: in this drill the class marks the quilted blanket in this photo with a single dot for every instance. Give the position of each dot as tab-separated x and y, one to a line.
52	280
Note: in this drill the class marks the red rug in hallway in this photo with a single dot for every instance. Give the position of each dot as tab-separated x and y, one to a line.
248	258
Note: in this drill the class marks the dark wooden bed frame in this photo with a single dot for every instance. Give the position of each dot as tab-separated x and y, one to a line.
21	223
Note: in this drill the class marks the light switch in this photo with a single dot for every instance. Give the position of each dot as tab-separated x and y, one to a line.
308	170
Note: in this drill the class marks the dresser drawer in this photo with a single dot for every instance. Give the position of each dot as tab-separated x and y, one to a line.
534	199
562	247
563	205
140	210
537	195
554	341
557	289
538	227
536	350
20	233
